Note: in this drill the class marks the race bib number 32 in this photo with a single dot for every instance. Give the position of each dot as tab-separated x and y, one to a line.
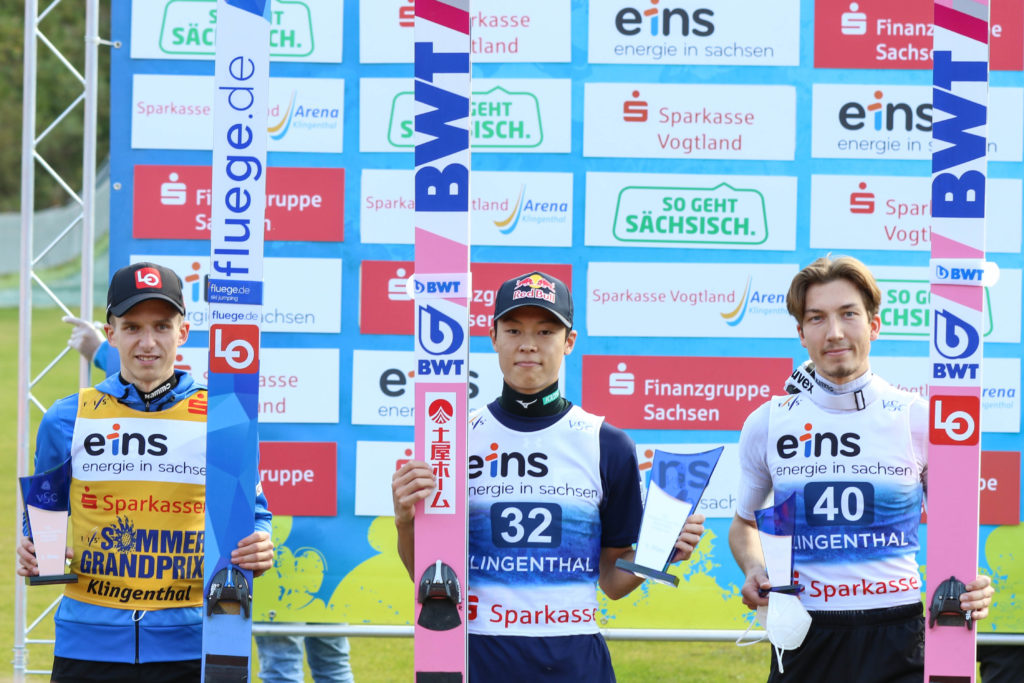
526	525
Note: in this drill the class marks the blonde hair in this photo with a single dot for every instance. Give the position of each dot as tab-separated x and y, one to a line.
825	270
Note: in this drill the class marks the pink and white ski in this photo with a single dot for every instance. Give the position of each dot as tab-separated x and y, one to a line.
441	283
957	272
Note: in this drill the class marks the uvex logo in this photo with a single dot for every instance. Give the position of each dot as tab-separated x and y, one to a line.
502	464
124	443
817	444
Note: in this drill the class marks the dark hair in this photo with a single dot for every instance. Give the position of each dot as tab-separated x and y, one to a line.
825	270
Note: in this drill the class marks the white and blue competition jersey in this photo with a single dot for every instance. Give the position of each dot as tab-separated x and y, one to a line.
545	495
857	476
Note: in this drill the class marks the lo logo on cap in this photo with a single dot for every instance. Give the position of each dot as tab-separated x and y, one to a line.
146	278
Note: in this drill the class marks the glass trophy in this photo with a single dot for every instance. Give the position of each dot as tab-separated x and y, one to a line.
47	496
676	485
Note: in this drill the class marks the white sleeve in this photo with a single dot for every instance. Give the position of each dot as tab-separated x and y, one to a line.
919	437
755	480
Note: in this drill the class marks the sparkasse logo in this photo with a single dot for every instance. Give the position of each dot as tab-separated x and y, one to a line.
862	201
817	444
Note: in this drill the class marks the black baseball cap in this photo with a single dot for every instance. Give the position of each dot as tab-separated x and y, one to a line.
535	289
141	281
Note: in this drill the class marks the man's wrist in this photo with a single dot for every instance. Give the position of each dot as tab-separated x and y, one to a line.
755	570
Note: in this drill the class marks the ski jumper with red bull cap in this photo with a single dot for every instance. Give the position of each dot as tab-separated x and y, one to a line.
550	486
241	84
441	283
959	168
534	552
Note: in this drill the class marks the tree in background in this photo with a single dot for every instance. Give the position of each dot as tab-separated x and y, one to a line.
56	87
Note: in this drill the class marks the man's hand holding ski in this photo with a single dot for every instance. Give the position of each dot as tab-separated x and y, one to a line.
978	597
412	483
255	552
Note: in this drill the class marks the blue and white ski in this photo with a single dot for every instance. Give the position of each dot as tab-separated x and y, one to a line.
241	84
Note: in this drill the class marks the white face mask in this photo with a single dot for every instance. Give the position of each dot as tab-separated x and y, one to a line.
786	623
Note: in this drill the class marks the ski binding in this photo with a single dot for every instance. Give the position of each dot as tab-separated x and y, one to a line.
229	593
945	608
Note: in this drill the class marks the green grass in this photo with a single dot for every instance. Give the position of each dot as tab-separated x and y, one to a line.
49	336
374	660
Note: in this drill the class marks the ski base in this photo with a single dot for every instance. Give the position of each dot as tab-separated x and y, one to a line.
438	677
225	669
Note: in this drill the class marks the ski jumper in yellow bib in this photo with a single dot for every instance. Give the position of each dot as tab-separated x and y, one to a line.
94	624
137	511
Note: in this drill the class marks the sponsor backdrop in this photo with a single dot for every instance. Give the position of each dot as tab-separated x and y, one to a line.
675	161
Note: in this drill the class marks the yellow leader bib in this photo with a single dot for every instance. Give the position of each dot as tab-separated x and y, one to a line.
138	503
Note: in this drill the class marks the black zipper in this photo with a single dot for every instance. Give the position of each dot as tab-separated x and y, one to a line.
134	612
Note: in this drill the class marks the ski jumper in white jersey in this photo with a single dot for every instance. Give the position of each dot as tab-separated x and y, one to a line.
856	461
546	494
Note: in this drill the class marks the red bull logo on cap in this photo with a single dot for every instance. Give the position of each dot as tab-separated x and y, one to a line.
534	286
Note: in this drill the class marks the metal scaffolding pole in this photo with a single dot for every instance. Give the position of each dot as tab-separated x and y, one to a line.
648	634
30	158
25	306
28	135
92	40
